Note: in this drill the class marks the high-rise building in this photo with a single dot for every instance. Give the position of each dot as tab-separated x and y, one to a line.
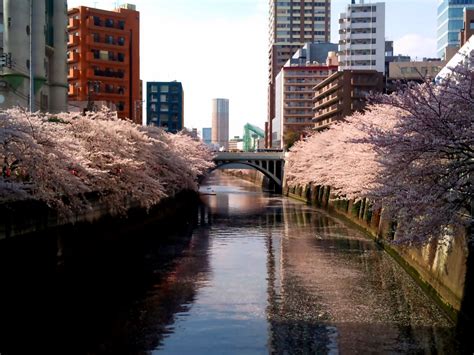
468	27
294	90
48	59
450	23
104	60
207	135
292	24
362	37
220	123
165	105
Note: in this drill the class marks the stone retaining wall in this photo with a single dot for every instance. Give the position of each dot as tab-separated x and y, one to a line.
440	266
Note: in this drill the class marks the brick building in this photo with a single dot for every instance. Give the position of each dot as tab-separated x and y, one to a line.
103	60
344	93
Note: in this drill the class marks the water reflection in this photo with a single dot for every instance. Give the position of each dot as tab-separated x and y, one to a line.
244	272
338	292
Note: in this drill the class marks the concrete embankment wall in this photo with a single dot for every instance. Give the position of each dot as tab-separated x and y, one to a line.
440	267
30	217
252	176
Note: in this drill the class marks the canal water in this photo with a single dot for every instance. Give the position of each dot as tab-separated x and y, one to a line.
247	272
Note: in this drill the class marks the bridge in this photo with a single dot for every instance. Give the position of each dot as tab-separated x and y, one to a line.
271	164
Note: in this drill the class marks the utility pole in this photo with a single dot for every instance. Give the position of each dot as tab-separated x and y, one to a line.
32	78
138	103
91	87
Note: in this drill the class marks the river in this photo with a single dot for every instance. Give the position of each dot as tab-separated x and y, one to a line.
247	273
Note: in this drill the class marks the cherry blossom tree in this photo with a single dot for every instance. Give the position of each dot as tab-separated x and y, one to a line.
68	160
428	158
337	157
412	152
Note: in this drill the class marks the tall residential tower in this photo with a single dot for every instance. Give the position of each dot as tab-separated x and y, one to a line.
220	123
292	24
47	63
362	37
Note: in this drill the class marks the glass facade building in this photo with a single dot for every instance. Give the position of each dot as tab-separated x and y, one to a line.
165	107
207	135
450	23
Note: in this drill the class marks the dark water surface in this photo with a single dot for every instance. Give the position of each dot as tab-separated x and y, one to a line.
245	273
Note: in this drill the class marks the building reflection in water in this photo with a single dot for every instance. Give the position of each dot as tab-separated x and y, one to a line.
332	289
245	272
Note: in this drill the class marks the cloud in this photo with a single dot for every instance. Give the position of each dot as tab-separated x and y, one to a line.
416	46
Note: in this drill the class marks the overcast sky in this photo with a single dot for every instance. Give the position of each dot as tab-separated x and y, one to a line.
219	48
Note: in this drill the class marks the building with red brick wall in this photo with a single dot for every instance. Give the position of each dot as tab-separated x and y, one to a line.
103	60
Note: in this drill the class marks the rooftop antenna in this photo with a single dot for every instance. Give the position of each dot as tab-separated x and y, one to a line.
95	3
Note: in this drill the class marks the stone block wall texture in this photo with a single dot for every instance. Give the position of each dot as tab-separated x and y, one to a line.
440	266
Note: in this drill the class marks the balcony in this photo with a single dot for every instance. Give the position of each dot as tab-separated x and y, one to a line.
109	25
73	90
114	60
73	74
73	57
327	112
328	100
73	23
332	86
107	42
73	41
106	75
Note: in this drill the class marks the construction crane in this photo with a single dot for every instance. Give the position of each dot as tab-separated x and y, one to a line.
251	136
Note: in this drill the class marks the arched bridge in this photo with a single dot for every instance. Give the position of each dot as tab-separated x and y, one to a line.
271	164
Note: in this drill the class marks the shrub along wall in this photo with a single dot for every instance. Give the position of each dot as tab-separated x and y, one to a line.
439	266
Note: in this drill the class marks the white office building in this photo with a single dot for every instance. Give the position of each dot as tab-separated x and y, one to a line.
362	37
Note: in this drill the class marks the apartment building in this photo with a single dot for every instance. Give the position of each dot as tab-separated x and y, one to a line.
294	92
292	23
343	93
103	60
362	37
165	105
47	62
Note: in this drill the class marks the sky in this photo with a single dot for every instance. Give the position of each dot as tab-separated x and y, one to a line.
219	49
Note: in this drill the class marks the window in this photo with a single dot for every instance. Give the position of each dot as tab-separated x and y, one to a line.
109	39
121	24
154	88
104	55
164	88
121	41
109	23
163	98
97	21
471	25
